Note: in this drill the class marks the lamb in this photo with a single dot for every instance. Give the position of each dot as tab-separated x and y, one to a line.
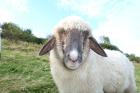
79	65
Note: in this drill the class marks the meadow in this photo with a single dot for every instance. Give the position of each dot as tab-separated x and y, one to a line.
22	70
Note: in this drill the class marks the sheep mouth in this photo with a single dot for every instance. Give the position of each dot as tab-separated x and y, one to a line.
72	64
72	61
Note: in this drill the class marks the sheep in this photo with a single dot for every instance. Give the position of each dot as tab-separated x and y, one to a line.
79	65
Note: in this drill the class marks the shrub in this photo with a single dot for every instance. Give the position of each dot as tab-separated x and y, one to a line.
13	32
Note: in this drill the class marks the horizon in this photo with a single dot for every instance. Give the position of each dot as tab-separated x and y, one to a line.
117	19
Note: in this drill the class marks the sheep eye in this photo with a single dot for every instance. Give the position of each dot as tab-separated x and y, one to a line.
63	46
85	36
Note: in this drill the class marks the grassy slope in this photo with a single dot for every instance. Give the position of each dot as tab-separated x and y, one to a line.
23	71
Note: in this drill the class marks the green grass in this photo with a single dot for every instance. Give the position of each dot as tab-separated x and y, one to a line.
137	71
23	71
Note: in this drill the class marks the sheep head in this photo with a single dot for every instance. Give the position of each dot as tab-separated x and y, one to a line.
72	44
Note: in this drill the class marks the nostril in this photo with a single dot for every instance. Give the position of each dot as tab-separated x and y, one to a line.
73	60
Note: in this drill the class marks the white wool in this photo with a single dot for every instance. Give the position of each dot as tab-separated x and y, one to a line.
113	74
73	22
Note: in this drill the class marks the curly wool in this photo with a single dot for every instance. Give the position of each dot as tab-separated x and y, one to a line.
73	22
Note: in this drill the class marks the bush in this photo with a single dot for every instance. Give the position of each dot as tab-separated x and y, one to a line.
13	32
134	58
110	47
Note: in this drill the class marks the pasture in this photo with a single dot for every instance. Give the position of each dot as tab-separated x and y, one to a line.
23	71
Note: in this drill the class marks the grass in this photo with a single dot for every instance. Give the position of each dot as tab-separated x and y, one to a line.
23	71
137	71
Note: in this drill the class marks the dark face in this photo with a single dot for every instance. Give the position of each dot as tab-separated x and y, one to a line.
74	46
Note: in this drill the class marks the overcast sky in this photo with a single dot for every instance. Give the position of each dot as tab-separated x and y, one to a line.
117	19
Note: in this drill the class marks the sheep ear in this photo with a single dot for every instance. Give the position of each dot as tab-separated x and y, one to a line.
96	47
47	47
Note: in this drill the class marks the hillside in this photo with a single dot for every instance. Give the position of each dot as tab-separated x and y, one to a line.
23	71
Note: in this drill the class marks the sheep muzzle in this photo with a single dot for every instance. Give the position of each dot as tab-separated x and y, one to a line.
73	49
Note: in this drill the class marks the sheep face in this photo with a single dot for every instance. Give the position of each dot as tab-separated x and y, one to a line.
73	48
73	45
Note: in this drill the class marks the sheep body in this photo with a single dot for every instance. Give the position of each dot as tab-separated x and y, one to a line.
113	74
96	74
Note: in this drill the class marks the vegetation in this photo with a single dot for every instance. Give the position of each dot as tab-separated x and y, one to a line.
107	45
133	58
137	71
105	40
13	32
23	71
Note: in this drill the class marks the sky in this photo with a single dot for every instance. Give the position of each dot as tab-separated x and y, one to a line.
117	19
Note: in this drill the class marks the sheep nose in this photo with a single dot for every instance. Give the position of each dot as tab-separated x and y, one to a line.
73	55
